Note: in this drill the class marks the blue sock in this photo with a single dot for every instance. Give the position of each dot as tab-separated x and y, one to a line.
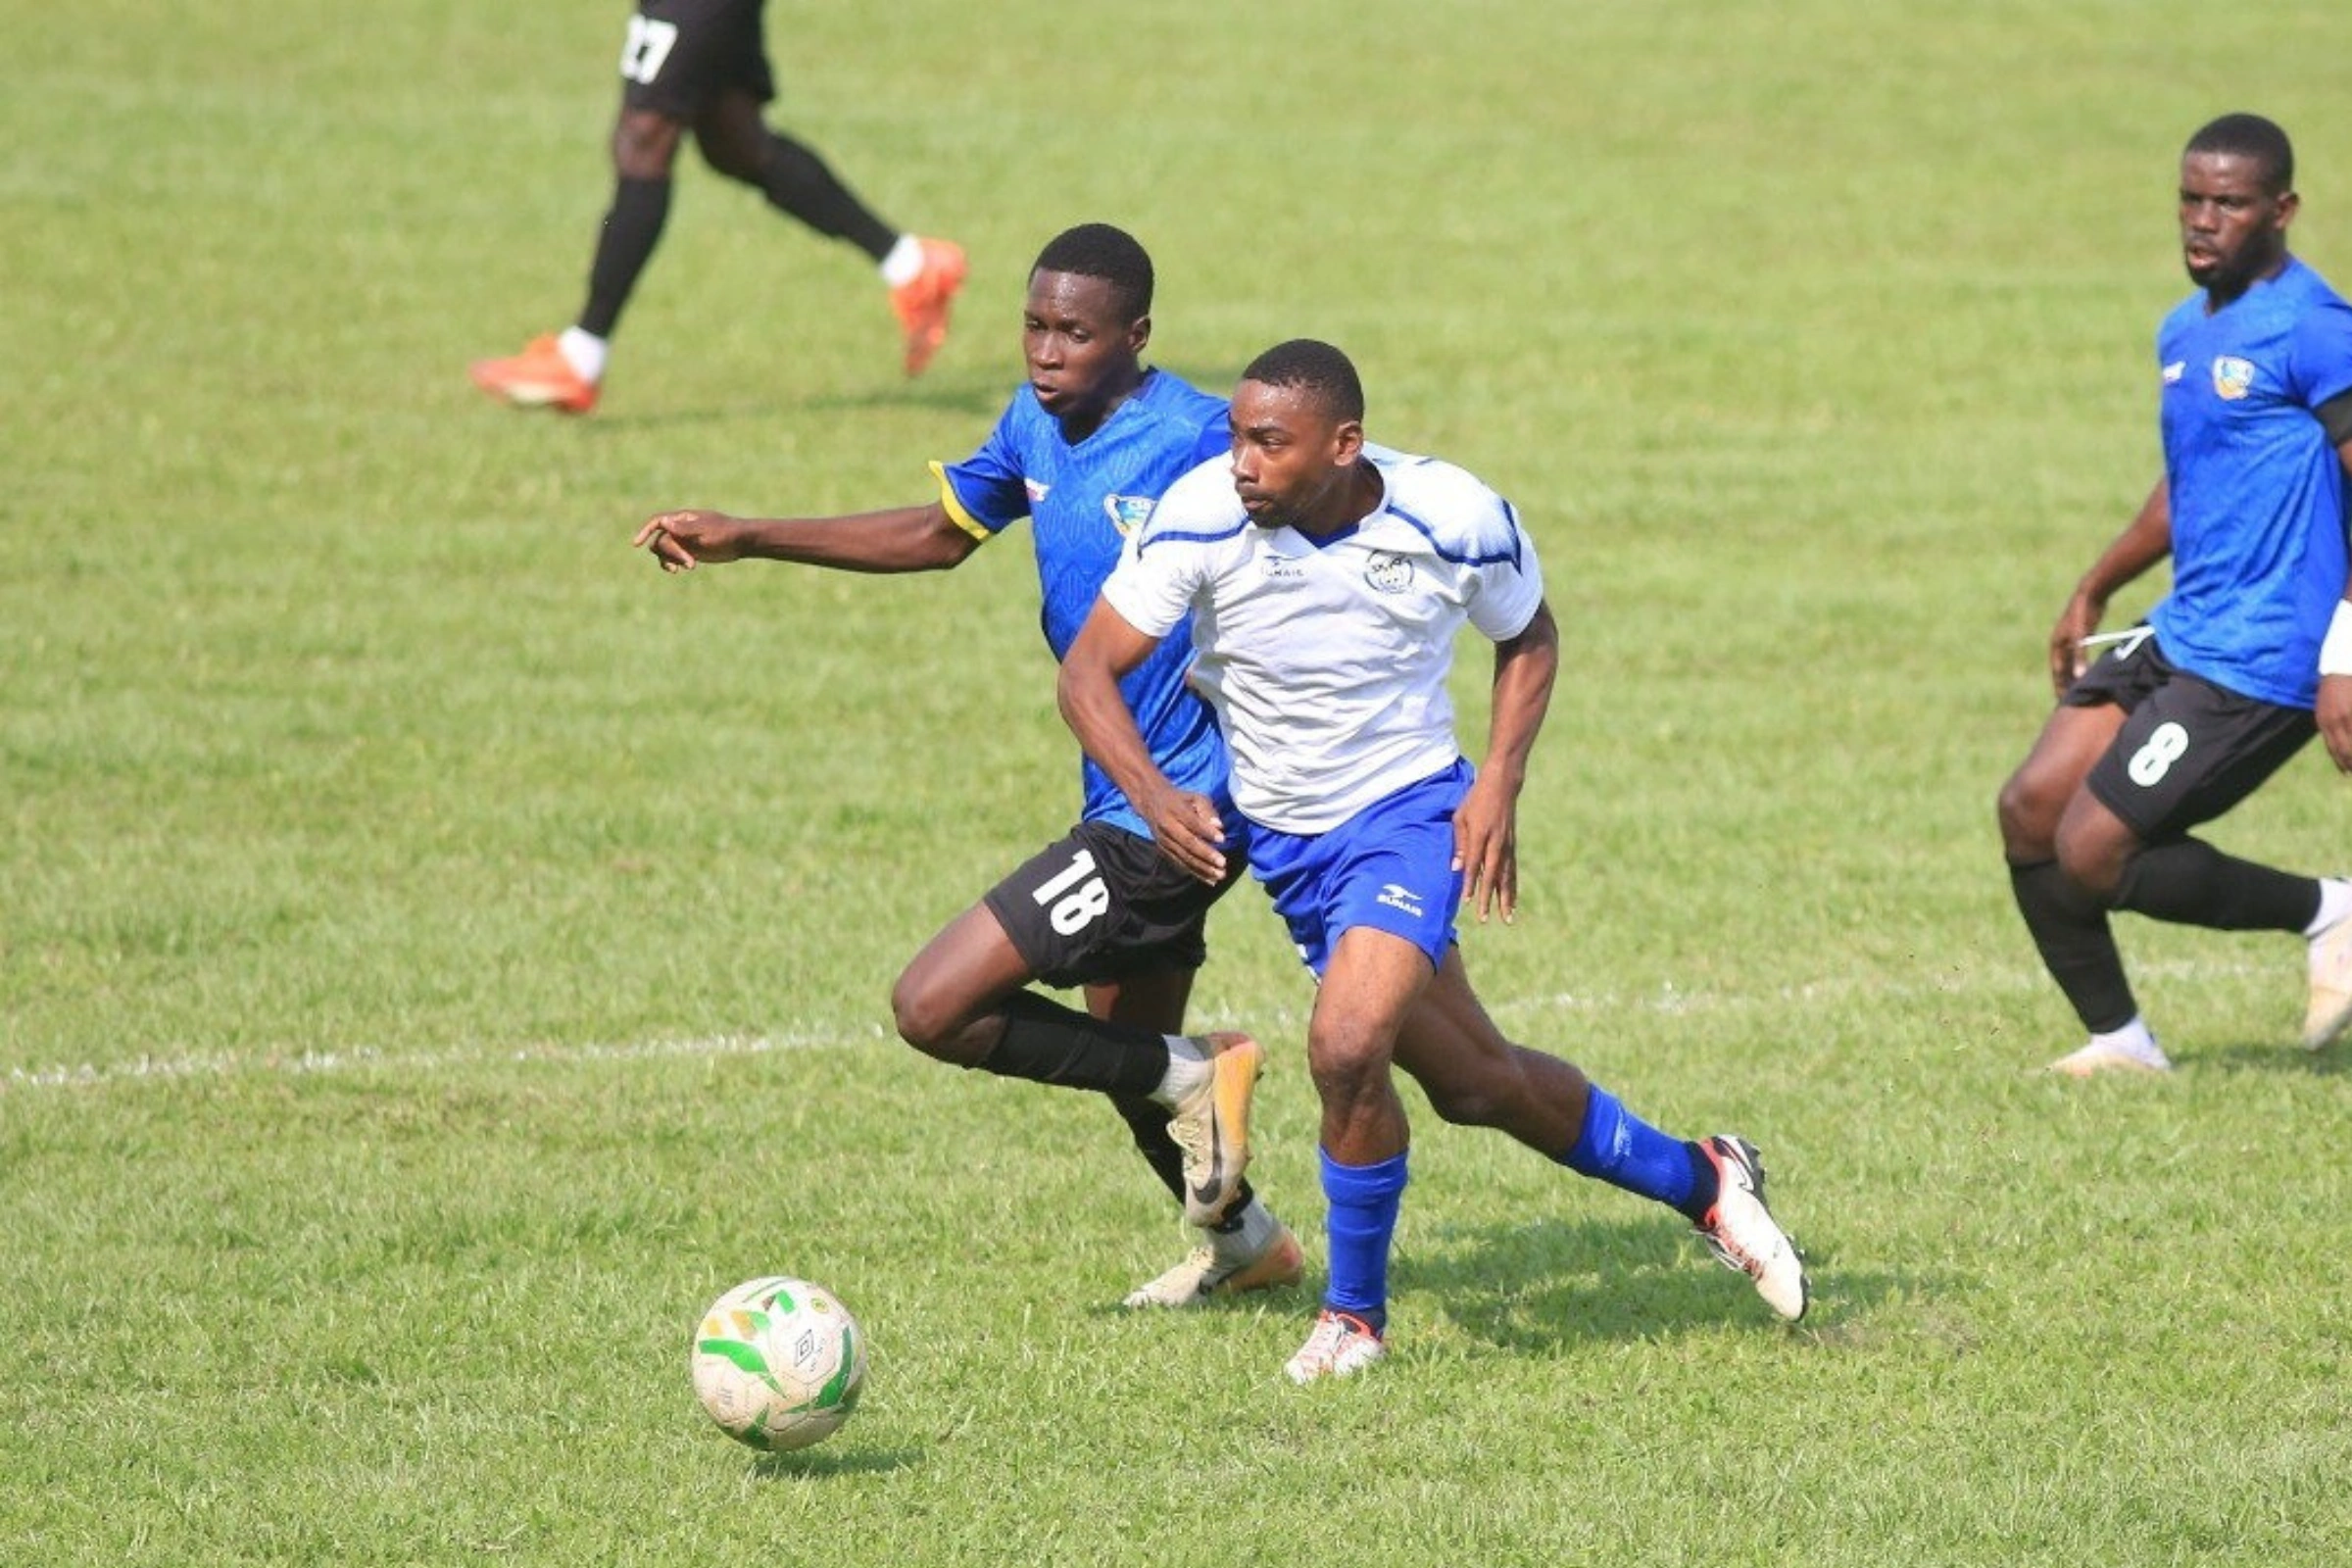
1359	1222
1619	1147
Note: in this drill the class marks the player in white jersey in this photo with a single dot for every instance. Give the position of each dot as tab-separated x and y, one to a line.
1326	579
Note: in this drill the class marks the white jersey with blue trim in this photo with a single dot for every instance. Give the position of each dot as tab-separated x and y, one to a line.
1327	659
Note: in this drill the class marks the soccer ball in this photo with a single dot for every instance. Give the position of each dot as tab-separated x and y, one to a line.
779	1362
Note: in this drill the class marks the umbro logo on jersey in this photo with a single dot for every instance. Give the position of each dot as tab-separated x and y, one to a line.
1390	575
2174	372
1127	513
1399	897
1037	492
1284	568
2233	378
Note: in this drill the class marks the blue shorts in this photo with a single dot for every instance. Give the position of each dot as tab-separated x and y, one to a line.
1390	866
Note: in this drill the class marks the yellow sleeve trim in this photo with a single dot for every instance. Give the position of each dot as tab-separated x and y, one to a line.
954	507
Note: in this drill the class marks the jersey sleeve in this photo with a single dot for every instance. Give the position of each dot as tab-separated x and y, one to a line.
1162	565
2322	354
1152	589
987	491
1510	581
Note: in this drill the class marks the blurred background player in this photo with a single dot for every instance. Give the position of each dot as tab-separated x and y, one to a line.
1083	451
2190	714
1324	580
702	65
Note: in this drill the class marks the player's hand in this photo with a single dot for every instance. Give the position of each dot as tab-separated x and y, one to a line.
2077	620
1188	831
1485	849
2333	712
678	540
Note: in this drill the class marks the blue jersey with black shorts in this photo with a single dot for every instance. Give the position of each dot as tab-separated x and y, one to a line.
1081	502
2257	493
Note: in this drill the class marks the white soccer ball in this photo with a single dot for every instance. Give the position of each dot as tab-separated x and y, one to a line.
779	1362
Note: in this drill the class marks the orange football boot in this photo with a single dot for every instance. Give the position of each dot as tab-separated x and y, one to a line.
539	377
923	306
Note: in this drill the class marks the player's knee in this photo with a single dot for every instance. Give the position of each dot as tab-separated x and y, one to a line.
1346	1071
2028	812
921	1017
734	158
1487	1094
2094	861
645	145
1477	1104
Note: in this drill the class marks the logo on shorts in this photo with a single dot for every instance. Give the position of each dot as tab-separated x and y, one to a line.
1397	895
1390	575
1127	513
2233	378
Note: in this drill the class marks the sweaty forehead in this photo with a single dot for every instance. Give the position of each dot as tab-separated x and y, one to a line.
1260	403
1072	296
2220	171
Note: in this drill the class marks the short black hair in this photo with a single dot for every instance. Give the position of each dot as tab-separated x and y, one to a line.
1111	253
1315	367
2250	136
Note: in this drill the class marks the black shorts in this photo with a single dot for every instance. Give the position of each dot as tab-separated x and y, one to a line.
680	54
1102	904
2188	750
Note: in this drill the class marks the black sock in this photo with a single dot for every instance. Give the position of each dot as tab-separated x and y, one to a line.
640	207
2069	927
797	182
2189	882
1047	1043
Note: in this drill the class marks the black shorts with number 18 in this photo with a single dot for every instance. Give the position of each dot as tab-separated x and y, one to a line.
1102	904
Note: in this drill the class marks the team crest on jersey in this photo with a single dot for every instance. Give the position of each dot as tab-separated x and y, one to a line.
2233	378
1127	513
1389	573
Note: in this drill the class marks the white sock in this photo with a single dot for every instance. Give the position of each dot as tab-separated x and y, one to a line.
2335	902
2135	1040
585	351
904	262
1188	1068
1251	1237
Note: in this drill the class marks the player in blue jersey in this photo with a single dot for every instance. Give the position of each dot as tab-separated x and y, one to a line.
1324	580
1083	451
2247	655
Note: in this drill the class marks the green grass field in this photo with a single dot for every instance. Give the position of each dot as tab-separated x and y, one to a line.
438	953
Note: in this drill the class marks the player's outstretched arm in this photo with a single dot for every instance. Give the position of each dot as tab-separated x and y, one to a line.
901	539
1486	828
1184	824
2144	541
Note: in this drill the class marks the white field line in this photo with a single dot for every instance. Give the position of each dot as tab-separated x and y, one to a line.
306	1063
1670	1001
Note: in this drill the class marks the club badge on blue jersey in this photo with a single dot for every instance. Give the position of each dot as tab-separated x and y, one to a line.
1127	513
2233	378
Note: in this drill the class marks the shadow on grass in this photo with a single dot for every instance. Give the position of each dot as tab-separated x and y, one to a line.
2272	1057
1551	1283
809	1464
